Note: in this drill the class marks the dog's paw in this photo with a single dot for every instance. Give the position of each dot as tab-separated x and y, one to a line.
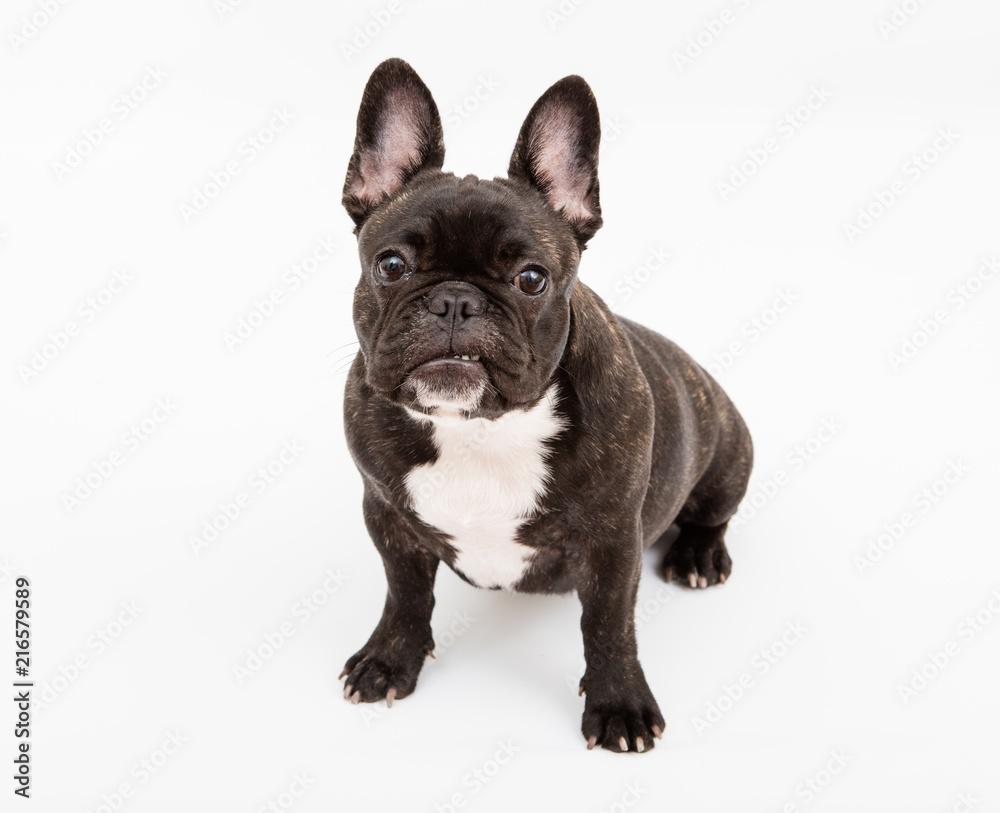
375	674
624	721
697	560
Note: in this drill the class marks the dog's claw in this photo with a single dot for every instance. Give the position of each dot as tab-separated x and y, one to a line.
702	581
692	580
657	732
668	575
431	653
356	698
389	697
347	691
640	746
623	743
344	674
722	578
591	742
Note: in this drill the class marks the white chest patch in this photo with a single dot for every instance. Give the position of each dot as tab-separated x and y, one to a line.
487	481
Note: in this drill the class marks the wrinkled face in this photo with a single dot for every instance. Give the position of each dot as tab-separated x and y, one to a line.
463	303
463	307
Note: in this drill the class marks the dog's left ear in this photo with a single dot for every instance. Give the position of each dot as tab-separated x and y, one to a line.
556	152
399	134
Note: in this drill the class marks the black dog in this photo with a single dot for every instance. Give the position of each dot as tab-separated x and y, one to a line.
505	422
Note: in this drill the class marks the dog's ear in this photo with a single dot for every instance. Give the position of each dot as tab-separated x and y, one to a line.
556	152
399	134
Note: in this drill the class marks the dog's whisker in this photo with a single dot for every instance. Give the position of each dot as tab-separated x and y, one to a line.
349	344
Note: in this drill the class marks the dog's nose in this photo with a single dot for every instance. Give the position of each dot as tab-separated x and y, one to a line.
453	303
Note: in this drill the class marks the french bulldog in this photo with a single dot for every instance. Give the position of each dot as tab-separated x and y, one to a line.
504	421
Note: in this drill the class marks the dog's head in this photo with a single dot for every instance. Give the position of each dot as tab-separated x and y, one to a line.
463	304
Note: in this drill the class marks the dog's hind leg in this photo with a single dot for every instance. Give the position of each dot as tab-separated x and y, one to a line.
698	557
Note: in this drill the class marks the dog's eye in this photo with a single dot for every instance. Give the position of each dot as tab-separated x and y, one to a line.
391	267
531	281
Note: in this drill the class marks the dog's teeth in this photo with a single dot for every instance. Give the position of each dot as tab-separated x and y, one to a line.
466	358
475	358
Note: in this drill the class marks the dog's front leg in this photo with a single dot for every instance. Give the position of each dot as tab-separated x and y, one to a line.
620	712
389	664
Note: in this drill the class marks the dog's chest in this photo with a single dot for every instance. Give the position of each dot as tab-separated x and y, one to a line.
487	481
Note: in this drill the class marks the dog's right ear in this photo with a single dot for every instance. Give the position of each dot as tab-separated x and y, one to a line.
399	134
556	152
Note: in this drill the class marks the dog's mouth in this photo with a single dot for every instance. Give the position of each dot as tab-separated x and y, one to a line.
453	382
453	361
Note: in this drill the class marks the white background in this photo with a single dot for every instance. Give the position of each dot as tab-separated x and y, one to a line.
672	133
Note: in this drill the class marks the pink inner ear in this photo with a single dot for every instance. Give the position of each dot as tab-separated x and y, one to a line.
381	167
553	144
